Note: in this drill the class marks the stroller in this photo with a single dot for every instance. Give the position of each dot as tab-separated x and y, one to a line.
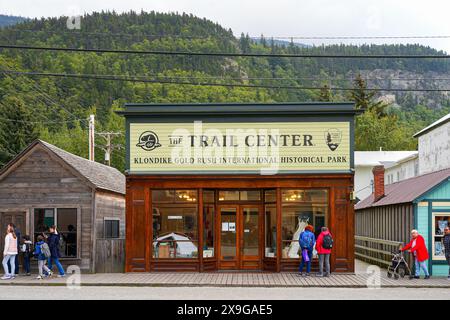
399	267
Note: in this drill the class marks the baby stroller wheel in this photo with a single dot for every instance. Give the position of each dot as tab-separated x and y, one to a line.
396	276
402	272
389	274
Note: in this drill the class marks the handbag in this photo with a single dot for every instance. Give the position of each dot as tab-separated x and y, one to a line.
305	255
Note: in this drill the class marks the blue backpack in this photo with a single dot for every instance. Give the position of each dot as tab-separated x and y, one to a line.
307	240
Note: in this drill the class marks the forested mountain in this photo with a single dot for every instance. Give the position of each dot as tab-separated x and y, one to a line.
9	20
51	107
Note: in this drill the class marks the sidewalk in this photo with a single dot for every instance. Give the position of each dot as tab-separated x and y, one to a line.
233	279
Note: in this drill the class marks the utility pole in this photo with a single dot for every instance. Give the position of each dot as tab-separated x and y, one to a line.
92	137
109	147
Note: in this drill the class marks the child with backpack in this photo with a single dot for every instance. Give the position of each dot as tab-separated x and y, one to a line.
307	240
42	253
324	245
27	252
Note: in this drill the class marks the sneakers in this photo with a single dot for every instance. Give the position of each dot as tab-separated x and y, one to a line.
427	277
320	275
6	277
61	275
39	278
49	274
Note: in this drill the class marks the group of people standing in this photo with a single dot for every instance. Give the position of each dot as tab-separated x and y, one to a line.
46	251
419	250
324	244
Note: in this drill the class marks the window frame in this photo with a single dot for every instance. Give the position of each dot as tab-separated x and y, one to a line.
55	208
434	214
176	204
104	227
326	204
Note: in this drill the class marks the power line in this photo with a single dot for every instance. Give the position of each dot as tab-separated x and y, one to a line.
352	37
296	37
225	54
155	81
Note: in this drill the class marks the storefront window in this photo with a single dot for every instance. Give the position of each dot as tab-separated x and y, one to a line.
228	195
300	208
440	221
175	228
242	195
65	220
208	223
271	230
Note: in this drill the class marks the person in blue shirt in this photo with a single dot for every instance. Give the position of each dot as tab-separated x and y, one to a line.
307	241
42	259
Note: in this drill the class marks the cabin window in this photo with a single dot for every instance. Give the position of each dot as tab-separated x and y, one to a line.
175	228
301	207
440	221
112	228
66	221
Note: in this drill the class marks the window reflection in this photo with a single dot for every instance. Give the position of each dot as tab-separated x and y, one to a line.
175	228
300	208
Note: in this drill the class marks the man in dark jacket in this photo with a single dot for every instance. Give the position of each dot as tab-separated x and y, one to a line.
53	244
447	247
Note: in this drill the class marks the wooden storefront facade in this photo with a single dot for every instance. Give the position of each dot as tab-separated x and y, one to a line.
197	217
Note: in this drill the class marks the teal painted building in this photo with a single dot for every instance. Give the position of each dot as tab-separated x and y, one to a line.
421	203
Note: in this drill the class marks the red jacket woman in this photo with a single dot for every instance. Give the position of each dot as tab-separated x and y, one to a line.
418	248
319	243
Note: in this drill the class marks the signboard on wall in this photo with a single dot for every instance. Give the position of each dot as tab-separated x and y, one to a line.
236	147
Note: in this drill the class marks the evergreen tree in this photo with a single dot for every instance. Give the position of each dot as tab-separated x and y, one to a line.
16	128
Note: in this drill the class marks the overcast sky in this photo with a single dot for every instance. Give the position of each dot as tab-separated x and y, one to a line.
280	17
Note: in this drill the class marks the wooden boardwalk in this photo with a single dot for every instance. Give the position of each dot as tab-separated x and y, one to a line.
231	279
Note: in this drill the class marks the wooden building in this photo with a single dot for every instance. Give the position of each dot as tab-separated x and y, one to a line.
45	185
385	219
230	186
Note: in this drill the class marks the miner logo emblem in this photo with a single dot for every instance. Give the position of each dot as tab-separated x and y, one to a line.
333	138
148	141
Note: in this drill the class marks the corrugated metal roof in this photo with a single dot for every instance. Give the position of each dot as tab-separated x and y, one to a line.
406	190
435	124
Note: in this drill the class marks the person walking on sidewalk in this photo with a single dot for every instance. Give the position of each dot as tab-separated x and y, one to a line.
27	252
41	258
53	243
446	241
324	245
9	253
418	248
307	240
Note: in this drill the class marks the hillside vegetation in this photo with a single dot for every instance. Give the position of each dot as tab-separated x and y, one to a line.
51	108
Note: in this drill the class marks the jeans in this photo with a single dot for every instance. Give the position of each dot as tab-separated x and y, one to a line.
324	258
26	263
58	265
308	264
419	265
11	260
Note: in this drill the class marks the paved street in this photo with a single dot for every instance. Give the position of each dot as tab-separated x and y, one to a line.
213	293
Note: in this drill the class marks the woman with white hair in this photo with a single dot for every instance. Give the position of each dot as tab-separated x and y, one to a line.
418	248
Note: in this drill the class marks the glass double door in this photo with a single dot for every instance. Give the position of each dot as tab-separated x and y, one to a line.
240	240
